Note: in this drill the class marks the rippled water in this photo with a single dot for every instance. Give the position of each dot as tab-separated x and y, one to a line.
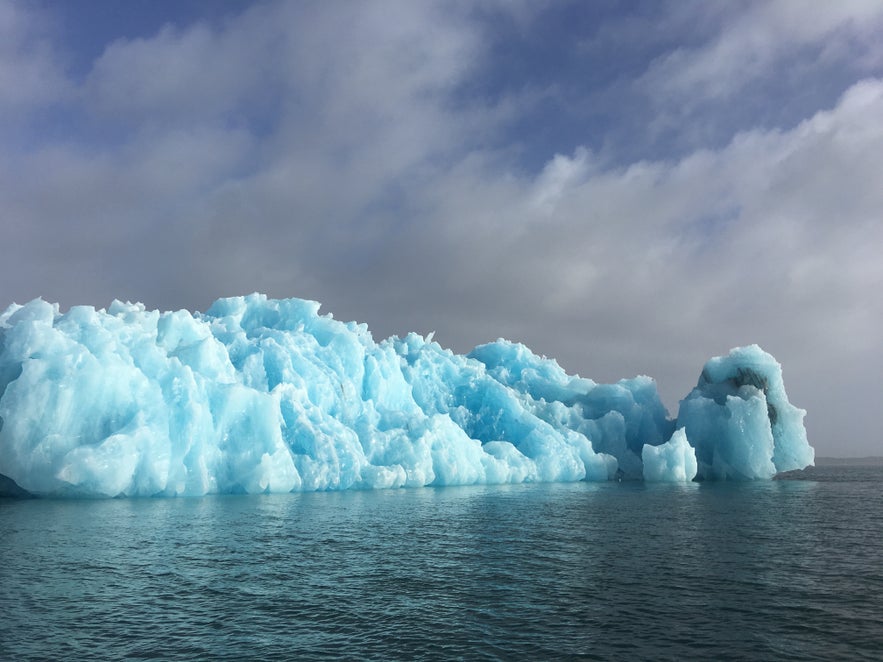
789	569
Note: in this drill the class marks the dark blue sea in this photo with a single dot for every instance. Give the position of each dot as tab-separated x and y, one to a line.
787	569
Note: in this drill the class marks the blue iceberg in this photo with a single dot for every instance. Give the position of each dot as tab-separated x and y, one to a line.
739	420
260	395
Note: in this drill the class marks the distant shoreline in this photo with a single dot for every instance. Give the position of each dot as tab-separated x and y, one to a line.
873	460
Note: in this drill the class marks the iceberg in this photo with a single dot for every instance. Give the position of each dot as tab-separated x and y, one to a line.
739	419
258	395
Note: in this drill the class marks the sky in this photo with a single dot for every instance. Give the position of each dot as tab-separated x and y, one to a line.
627	187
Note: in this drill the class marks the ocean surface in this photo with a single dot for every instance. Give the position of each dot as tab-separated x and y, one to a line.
787	569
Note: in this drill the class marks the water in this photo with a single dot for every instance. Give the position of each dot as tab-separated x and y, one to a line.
789	569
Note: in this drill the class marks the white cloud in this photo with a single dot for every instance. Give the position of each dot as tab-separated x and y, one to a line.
559	174
752	42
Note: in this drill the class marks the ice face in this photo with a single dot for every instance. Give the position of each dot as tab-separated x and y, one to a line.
260	395
671	462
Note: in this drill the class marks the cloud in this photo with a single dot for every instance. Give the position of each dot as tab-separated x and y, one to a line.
194	74
754	40
323	150
559	174
30	73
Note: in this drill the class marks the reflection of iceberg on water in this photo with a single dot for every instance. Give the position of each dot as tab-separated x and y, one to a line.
260	395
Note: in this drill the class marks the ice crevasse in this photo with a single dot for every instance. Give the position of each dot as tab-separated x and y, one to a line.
261	395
